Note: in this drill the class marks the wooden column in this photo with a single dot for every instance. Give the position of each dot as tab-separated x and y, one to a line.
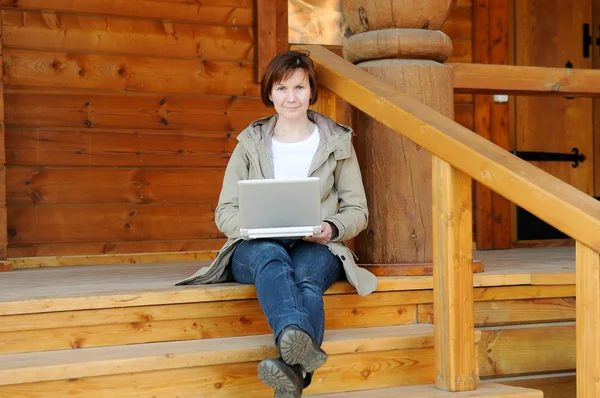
588	322
400	43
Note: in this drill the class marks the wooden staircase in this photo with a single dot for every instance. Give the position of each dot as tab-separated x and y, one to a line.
124	331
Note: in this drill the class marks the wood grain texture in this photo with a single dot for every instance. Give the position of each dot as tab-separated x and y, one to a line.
3	213
209	12
127	111
60	289
508	351
39	225
360	370
568	209
509	312
91	34
150	357
188	327
453	278
555	124
459	24
552	386
69	71
45	186
57	254
485	390
69	260
266	32
394	167
499	15
113	149
482	123
588	321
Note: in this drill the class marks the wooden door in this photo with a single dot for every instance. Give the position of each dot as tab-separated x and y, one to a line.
550	33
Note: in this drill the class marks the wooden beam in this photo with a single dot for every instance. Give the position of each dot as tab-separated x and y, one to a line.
453	279
525	80
554	201
588	321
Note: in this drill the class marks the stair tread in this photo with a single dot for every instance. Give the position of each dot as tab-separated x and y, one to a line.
484	390
67	364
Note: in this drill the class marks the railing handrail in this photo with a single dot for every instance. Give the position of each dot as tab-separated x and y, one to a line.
549	198
525	80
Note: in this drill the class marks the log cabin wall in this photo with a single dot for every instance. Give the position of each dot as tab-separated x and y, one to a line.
120	118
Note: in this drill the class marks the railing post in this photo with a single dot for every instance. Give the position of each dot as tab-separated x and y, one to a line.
588	322
453	278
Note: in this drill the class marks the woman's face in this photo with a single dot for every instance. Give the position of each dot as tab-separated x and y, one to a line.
291	97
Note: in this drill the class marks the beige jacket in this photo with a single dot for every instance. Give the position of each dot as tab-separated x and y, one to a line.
336	165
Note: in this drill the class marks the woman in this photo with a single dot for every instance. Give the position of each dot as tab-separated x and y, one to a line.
292	275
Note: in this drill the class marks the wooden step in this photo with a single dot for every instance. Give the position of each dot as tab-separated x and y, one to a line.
484	390
363	358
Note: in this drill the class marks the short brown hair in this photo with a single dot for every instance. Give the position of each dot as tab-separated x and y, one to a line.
282	67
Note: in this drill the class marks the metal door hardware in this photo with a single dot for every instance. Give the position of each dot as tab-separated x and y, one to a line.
574	156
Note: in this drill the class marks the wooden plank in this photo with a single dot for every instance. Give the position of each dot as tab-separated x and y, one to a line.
453	278
482	123
521	350
68	71
484	390
189	327
88	253
462	51
266	31
27	368
588	322
75	33
463	115
509	312
104	259
4	266
127	111
34	225
211	12
117	149
525	80
353	304
46	186
568	209
459	24
338	374
552	386
499	119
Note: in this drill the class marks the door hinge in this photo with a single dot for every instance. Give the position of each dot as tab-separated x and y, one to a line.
575	157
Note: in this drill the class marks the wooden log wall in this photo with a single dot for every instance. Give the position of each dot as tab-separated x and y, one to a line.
120	119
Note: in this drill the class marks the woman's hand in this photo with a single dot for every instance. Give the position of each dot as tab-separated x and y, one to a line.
325	235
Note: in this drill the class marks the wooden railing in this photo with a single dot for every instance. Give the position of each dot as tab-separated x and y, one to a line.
459	156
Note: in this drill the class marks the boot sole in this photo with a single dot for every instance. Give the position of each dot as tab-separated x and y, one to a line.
270	374
297	349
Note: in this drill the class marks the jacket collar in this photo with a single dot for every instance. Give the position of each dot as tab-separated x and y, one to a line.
335	137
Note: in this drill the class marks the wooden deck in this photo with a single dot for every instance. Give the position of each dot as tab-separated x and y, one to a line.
101	286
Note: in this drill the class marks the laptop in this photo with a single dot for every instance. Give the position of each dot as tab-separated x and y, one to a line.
284	208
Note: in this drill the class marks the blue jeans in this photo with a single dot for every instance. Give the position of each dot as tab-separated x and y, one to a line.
290	277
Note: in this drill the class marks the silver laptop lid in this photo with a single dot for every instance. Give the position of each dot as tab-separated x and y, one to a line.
280	203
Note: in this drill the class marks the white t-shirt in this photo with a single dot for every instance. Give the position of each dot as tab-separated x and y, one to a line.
293	160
